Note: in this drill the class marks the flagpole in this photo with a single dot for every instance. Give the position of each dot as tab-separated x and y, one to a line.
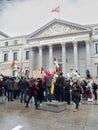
59	14
59	9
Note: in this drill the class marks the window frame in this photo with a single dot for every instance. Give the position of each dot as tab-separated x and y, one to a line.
27	55
96	31
97	70
5	57
15	56
96	47
6	43
15	42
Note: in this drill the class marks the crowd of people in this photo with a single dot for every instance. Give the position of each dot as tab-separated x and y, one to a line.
48	88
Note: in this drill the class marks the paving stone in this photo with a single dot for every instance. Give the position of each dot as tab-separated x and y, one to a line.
15	113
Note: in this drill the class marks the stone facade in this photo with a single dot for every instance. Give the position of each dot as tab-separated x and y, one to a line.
74	46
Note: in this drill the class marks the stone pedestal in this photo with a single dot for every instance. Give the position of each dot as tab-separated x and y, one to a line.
2	99
53	106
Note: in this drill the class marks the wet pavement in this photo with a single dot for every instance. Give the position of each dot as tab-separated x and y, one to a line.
15	116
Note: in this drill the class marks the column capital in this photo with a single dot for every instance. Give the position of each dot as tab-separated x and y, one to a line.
40	46
87	42
30	48
50	45
75	42
63	44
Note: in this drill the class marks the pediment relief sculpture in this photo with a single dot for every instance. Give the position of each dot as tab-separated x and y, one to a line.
57	29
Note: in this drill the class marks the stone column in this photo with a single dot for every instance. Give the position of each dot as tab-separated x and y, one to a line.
1	56
64	58
75	56
31	60
50	58
1	61
40	57
10	59
10	56
20	57
87	55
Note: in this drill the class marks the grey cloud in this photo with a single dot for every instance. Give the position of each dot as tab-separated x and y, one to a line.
5	3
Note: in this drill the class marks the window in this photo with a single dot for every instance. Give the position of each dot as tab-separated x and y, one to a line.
97	70
15	42
5	57
96	31
27	55
15	56
97	48
6	43
27	41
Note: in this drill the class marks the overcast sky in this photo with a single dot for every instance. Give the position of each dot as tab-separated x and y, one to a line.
21	17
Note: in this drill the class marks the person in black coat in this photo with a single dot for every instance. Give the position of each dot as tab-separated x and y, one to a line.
41	90
9	88
94	86
67	91
48	84
76	94
23	95
60	85
32	92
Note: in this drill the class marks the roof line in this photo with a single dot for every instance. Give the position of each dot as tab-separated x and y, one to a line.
2	33
57	20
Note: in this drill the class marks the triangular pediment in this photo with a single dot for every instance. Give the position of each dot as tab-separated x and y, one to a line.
57	27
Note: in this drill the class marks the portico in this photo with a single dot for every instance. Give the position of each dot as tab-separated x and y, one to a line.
74	55
68	43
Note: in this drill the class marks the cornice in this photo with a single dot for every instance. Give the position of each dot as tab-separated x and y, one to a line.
61	35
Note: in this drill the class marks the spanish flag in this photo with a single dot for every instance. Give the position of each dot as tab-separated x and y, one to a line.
57	9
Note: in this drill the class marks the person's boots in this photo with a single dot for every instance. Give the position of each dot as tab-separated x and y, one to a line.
27	105
75	110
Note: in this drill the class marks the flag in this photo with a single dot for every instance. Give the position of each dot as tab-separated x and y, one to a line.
74	74
21	72
57	9
13	66
55	63
57	67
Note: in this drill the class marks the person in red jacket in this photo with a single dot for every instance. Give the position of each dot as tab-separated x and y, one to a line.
32	91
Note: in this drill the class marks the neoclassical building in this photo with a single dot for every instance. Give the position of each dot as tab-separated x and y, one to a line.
74	46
